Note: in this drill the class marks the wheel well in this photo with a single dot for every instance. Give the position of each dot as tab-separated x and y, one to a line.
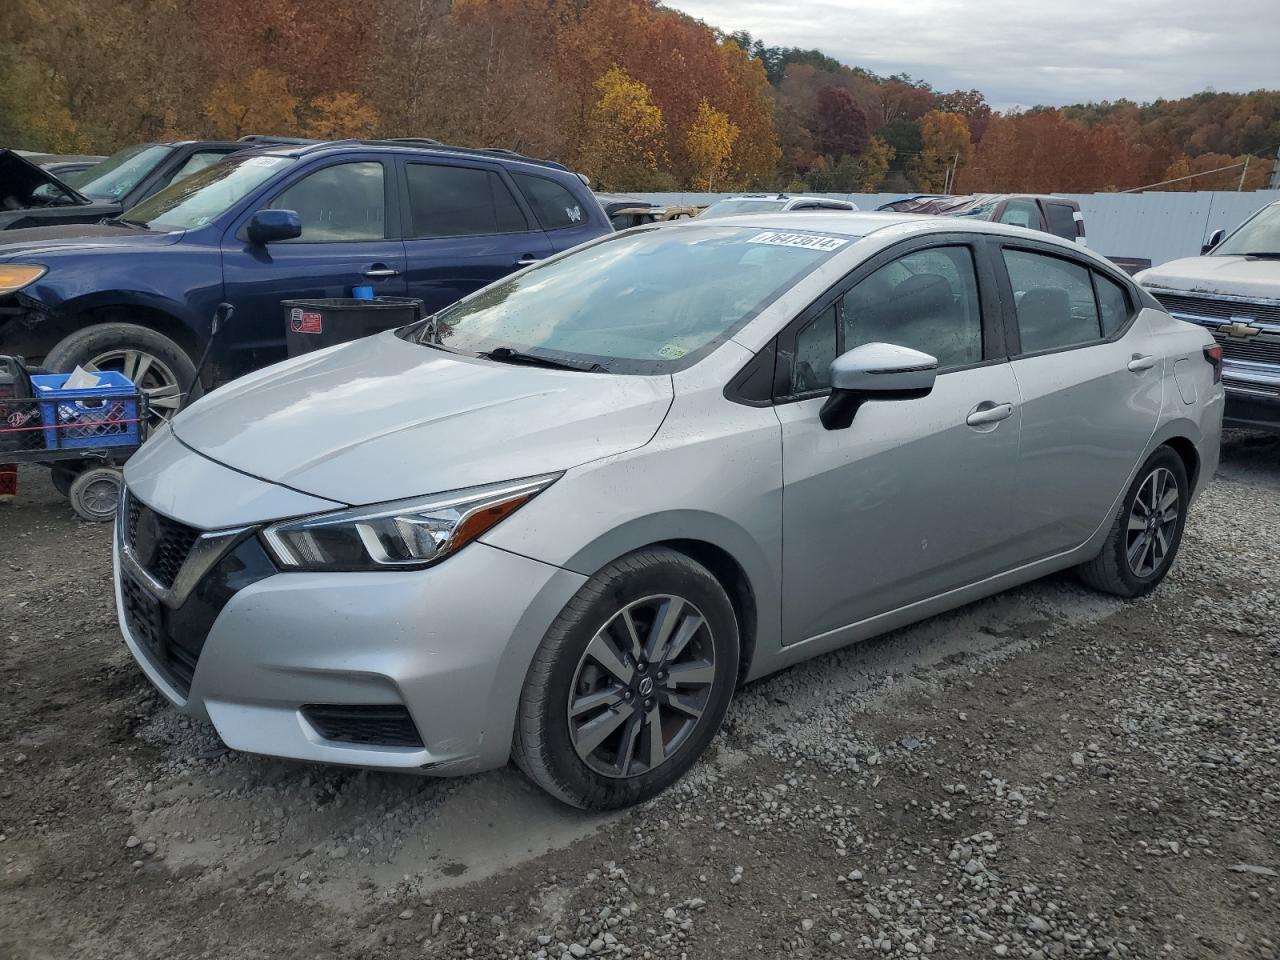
1186	451
157	320
736	584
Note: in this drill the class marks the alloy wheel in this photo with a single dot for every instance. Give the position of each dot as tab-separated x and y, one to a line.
1153	521
641	686
151	375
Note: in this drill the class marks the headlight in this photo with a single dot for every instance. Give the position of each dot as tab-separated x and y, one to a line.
406	534
15	276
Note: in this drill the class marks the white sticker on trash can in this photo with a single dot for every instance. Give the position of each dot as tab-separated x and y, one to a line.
808	241
305	321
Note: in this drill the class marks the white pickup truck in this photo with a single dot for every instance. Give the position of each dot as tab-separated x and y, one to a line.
1233	288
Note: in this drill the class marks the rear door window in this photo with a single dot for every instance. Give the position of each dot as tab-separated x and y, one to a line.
1053	300
446	201
1062	220
554	206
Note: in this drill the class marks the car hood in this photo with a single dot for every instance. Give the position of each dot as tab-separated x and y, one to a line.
29	242
1229	276
383	419
20	174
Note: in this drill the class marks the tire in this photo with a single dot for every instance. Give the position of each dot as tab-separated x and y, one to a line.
166	369
95	494
63	475
625	768
1112	570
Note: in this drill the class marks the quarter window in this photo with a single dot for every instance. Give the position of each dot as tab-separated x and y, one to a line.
553	205
927	300
816	349
1113	303
340	203
460	202
1054	301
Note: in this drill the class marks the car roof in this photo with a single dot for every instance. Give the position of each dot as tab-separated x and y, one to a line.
410	146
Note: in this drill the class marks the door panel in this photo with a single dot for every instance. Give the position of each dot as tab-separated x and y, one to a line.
908	502
1086	418
342	208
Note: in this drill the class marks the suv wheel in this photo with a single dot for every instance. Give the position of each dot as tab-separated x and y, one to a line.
630	683
160	368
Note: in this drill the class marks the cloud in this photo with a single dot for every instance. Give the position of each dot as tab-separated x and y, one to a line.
1026	52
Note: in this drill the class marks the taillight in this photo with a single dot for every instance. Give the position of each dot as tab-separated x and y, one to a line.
1214	355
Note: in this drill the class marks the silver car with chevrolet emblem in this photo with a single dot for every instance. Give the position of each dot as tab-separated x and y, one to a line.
1233	290
562	520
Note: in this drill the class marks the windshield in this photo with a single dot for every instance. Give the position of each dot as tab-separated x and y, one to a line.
647	302
119	173
731	208
1261	234
197	199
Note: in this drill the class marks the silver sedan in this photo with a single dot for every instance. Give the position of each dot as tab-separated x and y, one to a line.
562	520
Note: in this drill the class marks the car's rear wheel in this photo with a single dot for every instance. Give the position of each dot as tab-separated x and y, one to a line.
154	362
631	682
1146	532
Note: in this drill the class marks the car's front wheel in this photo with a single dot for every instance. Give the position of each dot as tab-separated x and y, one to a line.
1146	531
631	682
157	365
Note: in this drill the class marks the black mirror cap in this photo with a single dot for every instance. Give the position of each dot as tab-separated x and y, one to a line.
272	226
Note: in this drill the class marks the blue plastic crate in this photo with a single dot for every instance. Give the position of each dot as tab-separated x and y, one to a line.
102	416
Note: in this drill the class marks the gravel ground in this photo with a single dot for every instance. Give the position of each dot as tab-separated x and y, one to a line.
1048	773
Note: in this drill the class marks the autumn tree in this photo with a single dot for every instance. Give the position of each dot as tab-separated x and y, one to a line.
711	140
257	102
840	126
623	144
339	116
945	147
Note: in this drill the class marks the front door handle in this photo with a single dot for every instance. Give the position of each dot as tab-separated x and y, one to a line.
1139	363
381	270
988	412
527	260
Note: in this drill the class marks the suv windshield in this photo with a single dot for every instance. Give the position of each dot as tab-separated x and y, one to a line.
646	302
731	208
197	199
1259	235
119	173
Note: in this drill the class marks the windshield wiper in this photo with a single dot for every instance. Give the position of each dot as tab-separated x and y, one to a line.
509	355
122	222
1263	254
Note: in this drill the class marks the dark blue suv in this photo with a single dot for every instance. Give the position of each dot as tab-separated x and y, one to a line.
137	293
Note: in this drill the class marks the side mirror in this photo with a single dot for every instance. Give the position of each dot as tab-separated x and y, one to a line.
1215	238
272	226
875	371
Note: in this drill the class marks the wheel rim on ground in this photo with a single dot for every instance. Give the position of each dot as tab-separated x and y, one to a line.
100	497
1153	520
642	686
150	374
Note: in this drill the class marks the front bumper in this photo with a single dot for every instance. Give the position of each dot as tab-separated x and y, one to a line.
451	644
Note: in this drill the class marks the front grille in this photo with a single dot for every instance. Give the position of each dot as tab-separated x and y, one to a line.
372	724
147	621
158	543
1255	349
1210	308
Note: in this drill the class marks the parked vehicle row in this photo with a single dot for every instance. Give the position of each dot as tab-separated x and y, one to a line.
561	520
136	292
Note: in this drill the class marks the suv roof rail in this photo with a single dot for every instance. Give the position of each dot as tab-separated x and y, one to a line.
426	143
267	139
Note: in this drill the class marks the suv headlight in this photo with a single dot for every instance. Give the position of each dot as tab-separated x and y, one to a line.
403	535
15	276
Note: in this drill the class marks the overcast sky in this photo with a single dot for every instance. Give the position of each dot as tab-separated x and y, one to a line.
1026	52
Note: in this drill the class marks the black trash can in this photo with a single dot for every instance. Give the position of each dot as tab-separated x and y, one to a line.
312	324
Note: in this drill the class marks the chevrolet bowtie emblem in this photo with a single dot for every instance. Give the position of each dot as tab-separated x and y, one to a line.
1238	328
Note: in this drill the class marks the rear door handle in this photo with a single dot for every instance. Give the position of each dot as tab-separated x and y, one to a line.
988	412
527	261
379	270
1140	363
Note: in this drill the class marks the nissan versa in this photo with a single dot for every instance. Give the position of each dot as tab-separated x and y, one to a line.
561	520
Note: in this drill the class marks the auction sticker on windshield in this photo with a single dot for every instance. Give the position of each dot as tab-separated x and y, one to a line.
808	241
